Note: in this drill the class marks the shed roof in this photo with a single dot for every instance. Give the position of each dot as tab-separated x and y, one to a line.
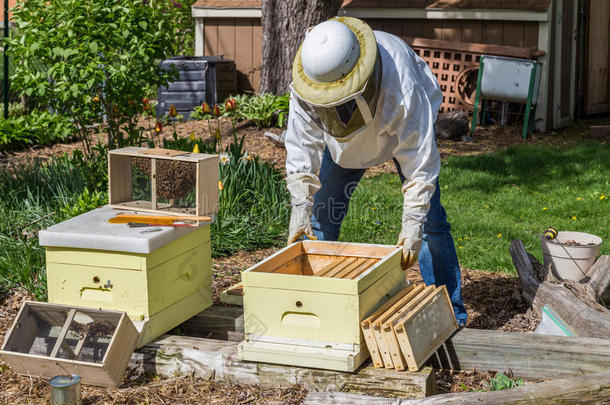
531	5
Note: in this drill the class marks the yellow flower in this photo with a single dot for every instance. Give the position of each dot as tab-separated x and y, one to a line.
172	111
196	148
602	197
466	237
499	235
374	208
193	136
220	185
459	239
574	218
578	199
544	208
460	247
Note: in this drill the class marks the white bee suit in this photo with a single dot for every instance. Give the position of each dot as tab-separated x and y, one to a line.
402	128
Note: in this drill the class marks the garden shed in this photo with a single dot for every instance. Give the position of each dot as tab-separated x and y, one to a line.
568	37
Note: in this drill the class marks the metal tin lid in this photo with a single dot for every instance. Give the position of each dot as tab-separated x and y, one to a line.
64	381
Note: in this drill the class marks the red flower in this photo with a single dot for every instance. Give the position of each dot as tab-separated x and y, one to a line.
158	127
216	110
172	111
96	99
205	108
230	104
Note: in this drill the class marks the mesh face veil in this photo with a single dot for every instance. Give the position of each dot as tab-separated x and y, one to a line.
349	115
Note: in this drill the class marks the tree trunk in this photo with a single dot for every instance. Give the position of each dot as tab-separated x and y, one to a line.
284	25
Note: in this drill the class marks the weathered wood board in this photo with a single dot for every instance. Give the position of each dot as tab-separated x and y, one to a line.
216	359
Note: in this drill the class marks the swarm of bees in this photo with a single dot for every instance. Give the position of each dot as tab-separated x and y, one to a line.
174	178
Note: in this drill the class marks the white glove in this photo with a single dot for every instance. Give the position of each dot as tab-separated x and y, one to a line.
416	204
410	239
302	187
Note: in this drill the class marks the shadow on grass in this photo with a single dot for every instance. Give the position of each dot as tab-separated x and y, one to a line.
535	167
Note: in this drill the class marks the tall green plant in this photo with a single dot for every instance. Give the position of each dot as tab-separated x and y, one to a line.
93	58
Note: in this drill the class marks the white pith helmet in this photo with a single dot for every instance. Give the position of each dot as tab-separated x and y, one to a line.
329	52
334	61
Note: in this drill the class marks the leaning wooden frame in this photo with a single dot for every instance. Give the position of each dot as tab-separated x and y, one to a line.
163	181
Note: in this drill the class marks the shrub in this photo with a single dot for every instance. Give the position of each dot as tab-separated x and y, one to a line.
264	110
90	58
35	128
502	382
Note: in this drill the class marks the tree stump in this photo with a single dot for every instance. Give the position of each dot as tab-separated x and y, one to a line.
577	303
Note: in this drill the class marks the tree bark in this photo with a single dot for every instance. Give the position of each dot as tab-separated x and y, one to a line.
284	25
570	300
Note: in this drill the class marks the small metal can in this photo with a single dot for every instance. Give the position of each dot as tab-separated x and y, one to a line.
65	390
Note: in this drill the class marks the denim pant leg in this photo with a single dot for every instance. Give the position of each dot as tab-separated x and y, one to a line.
332	200
438	261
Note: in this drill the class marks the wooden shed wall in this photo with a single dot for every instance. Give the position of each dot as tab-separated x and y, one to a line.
240	39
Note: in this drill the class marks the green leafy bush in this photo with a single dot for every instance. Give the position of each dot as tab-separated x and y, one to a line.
35	128
502	382
90	58
264	110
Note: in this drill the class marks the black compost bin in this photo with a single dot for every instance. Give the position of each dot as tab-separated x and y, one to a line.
202	78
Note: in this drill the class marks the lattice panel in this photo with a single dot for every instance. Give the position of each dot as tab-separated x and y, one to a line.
456	72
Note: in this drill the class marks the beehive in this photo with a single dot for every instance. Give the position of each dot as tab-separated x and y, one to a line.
163	181
47	340
303	305
160	279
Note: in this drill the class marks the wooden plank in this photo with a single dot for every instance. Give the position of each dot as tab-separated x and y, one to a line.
452	31
472	31
120	179
528	355
489	49
598	79
530	34
426	328
226	38
512	33
276	260
411	28
215	359
492	32
348	249
243	52
120	349
588	389
60	343
207	186
210	37
257	53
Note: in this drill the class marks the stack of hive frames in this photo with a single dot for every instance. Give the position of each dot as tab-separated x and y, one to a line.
405	331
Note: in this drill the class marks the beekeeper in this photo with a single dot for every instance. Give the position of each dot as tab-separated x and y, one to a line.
358	99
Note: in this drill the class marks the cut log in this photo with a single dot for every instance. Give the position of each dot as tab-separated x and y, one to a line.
599	276
342	398
216	359
526	354
588	389
583	319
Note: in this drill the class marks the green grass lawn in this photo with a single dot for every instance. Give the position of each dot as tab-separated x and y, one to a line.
491	199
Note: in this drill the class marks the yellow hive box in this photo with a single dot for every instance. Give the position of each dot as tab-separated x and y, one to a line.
304	304
160	279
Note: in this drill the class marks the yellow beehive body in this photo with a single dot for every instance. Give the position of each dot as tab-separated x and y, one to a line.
290	312
161	289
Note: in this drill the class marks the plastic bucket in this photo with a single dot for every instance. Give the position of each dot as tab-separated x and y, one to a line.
570	262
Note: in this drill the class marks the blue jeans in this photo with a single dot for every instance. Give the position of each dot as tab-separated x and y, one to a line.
437	258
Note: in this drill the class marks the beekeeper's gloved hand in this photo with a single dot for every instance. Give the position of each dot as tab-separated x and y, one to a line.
410	240
302	187
416	203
